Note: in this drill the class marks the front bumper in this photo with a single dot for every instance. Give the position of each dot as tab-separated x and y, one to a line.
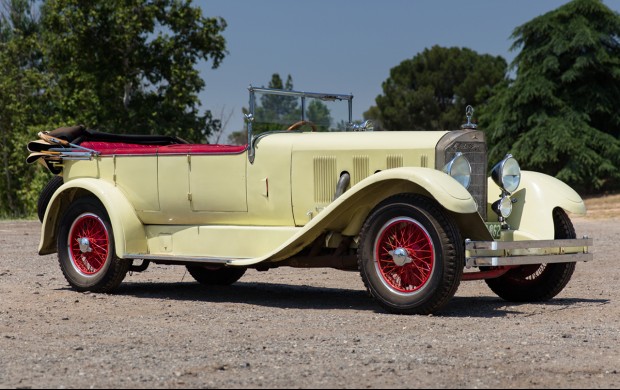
515	253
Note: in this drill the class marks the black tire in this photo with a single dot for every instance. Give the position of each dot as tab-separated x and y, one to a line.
90	265
215	276
540	282
433	260
46	195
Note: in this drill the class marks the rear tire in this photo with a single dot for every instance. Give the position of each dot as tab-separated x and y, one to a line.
215	276
411	255
46	195
540	282
86	251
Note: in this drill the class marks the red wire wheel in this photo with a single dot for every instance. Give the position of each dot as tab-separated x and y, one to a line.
405	256
410	255
88	244
86	250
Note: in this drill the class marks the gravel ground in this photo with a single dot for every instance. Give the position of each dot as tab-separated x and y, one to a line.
299	328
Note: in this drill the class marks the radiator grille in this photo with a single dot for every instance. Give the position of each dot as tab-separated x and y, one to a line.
473	146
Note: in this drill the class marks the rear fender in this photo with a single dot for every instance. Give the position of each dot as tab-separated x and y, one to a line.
538	195
128	230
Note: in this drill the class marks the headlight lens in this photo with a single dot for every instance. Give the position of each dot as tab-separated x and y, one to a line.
460	169
507	174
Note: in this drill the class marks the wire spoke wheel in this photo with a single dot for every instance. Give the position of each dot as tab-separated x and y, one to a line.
410	255
86	251
88	244
404	237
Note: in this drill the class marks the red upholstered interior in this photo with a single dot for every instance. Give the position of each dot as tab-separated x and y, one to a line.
110	148
118	148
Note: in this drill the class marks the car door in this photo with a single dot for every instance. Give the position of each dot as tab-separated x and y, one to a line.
217	179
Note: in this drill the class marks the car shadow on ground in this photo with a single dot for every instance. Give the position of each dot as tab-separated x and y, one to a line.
323	298
487	307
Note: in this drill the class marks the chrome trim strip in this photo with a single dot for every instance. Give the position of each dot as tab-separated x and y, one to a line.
181	259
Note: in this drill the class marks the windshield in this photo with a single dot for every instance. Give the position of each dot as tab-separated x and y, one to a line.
278	110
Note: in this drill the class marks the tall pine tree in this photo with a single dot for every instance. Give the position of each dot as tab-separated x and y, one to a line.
560	115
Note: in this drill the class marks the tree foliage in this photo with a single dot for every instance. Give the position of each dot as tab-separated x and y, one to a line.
560	115
130	65
24	103
121	66
431	90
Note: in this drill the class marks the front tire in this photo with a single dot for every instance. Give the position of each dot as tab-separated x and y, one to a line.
86	251
411	255
539	282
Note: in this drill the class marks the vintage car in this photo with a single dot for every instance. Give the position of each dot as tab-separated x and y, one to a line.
415	212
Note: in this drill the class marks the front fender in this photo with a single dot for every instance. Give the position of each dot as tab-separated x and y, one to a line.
436	184
128	230
449	193
348	213
538	195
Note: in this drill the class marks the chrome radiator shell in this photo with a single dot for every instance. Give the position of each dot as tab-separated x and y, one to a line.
472	144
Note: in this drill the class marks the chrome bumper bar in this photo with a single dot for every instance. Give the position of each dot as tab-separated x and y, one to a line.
511	253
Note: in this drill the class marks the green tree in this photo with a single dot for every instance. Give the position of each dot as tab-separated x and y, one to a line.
431	90
24	104
130	65
560	115
319	114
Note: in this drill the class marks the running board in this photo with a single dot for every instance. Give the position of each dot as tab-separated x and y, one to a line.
181	259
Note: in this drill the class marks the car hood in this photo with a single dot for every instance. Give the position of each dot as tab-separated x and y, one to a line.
388	141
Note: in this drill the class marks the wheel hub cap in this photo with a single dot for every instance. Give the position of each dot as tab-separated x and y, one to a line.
85	245
400	256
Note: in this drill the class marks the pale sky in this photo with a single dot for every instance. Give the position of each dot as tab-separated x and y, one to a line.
348	46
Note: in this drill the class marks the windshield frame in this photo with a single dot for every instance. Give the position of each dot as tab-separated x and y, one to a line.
299	94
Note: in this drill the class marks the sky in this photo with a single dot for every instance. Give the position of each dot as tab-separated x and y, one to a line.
348	46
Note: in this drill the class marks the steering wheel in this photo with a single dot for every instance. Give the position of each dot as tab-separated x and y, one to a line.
299	124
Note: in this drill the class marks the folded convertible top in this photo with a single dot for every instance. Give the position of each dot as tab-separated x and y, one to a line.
64	143
79	134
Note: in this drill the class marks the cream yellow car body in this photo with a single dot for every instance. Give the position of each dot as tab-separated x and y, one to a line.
381	202
222	206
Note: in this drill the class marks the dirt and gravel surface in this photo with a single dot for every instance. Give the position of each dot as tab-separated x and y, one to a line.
301	328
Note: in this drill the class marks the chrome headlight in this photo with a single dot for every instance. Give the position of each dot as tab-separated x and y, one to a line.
460	169
507	174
